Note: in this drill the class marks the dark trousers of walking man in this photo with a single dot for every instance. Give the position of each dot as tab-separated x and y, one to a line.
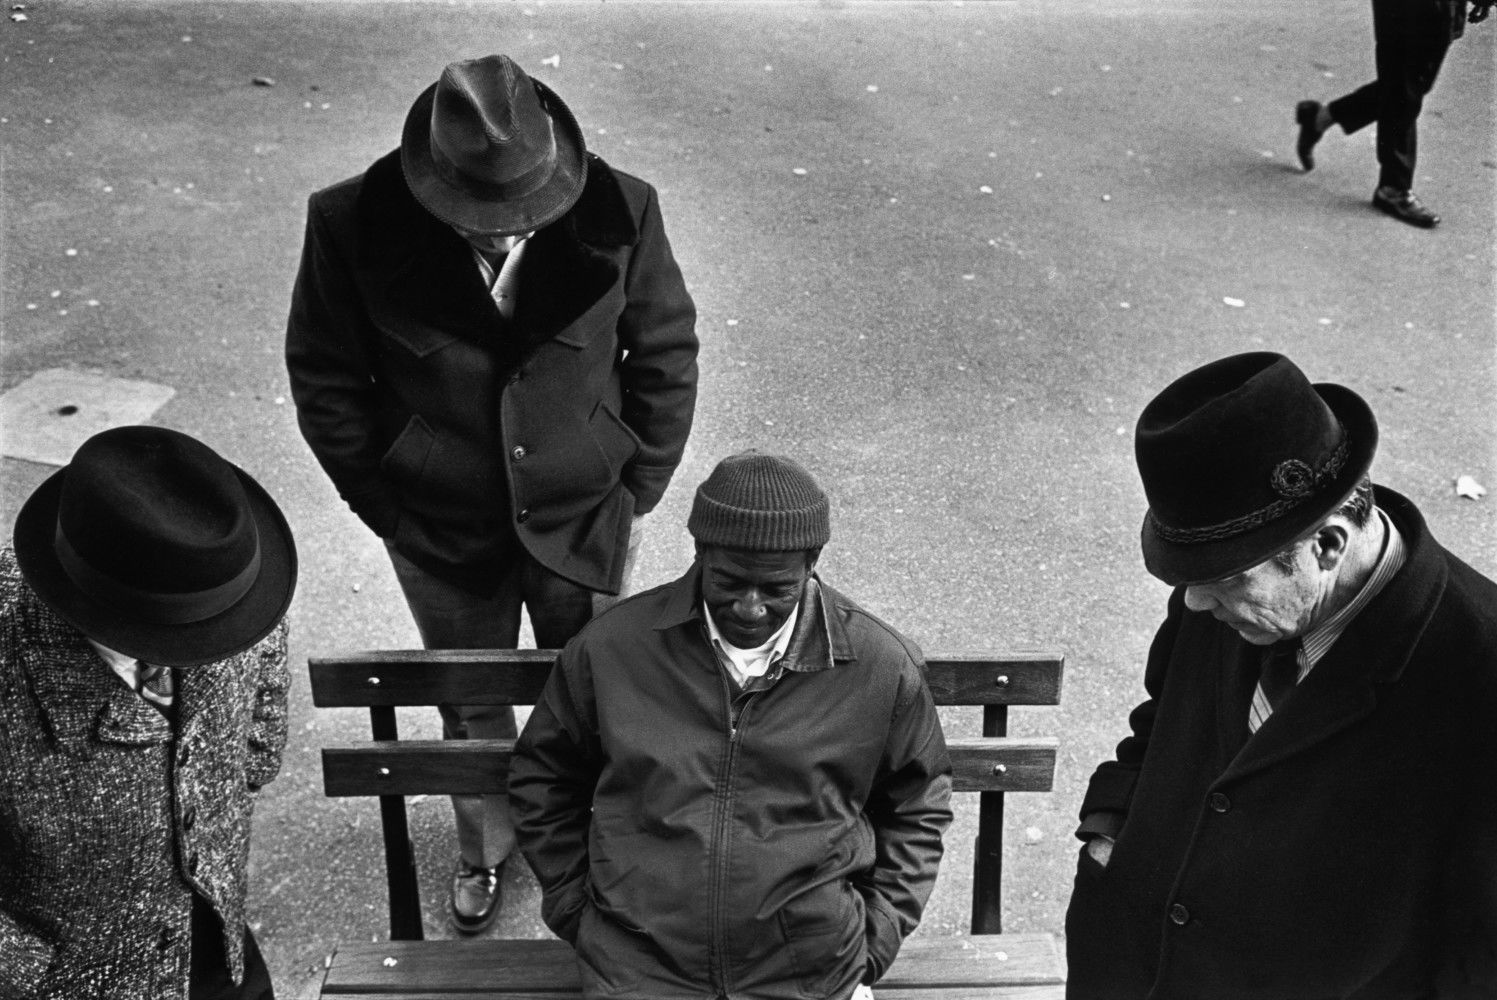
1412	37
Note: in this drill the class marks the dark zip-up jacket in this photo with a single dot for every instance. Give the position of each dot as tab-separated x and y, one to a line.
684	855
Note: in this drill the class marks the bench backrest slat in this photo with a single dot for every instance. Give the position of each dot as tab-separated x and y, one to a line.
383	680
516	677
481	767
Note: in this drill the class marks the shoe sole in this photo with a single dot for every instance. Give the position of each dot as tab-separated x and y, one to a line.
1390	209
460	925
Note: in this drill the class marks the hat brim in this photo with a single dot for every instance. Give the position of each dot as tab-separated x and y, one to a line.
230	631
513	217
1182	565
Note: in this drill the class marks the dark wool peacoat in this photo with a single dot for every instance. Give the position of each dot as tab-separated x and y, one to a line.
458	435
110	821
1348	849
690	844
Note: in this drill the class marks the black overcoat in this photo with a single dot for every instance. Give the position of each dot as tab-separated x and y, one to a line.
1347	850
458	435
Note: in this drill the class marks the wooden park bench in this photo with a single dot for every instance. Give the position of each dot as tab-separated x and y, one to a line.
986	965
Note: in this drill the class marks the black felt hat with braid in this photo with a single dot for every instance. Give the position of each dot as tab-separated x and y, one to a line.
1240	459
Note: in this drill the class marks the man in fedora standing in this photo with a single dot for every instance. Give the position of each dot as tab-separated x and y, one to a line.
142	705
1304	808
493	356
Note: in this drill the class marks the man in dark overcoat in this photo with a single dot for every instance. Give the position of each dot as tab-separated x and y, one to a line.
493	357
1304	809
142	706
1411	38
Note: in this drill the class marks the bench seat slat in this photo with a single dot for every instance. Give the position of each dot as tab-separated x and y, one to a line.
927	968
472	767
403	677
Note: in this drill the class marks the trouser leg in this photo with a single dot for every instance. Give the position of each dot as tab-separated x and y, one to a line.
449	617
1412	38
209	978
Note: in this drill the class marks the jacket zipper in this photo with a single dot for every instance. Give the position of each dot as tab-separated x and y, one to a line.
718	847
722	830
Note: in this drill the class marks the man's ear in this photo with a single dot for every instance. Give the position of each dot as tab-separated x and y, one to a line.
1330	545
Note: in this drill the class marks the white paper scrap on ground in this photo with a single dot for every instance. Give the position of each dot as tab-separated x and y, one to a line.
46	417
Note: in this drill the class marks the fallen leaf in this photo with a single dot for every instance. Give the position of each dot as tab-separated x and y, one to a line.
552	61
1234	303
1469	488
263	81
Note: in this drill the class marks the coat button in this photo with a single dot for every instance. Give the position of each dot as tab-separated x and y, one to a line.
518	453
523	516
1219	802
189	817
1179	914
165	938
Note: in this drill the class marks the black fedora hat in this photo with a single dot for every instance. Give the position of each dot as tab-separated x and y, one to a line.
153	545
1240	459
488	149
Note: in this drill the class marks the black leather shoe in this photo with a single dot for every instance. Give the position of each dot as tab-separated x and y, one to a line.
1404	207
1305	114
476	892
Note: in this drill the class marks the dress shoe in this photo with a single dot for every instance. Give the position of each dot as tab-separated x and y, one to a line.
1404	207
474	902
1305	114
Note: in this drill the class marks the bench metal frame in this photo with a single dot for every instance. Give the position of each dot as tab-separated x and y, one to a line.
391	769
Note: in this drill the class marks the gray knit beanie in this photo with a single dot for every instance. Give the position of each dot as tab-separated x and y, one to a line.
760	502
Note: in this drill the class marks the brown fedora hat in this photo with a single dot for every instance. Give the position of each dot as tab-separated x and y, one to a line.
151	544
488	149
1240	459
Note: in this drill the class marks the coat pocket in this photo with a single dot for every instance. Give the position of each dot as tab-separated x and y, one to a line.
616	441
405	460
825	936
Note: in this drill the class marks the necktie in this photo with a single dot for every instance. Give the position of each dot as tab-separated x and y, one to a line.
1280	672
155	683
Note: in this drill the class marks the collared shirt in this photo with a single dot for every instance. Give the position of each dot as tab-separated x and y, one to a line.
1315	643
128	669
503	282
743	664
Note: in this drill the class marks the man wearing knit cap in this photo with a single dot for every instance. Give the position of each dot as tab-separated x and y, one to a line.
735	784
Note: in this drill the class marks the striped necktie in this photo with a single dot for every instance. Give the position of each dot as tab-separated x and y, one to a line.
154	683
1280	672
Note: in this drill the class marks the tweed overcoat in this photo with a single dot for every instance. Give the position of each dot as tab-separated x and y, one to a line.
459	435
1348	849
110	821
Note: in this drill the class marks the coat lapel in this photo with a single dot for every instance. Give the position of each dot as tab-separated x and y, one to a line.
424	288
1346	685
81	698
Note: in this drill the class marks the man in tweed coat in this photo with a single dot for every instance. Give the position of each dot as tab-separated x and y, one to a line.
142	705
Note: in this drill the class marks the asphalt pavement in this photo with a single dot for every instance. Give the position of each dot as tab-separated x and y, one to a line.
943	254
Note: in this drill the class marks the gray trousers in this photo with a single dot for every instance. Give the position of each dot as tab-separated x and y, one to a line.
449	617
